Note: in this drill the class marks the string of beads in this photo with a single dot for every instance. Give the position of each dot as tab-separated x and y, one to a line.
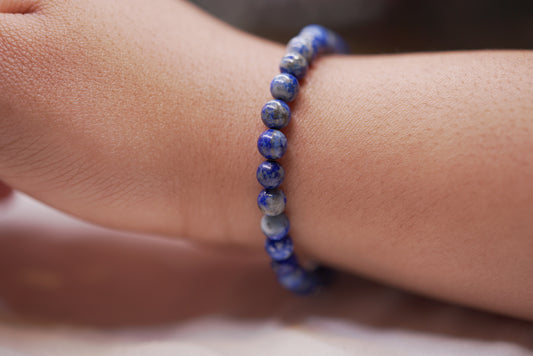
272	144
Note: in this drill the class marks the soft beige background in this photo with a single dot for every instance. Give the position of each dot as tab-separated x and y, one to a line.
69	288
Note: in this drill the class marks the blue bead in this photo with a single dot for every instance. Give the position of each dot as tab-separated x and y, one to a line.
271	201
318	35
279	250
275	227
286	266
276	114
284	87
304	46
295	64
294	278
272	144
326	40
338	45
299	281
270	174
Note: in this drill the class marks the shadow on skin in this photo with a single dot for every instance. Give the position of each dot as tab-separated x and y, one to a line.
5	192
114	280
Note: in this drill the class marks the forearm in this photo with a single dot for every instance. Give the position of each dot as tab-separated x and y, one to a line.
413	169
426	170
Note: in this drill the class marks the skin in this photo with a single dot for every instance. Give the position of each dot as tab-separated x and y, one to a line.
415	169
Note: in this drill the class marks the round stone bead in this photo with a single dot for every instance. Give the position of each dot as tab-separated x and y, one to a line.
272	144
284	87
271	201
325	40
299	281
286	266
276	114
304	46
270	174
318	36
295	64
275	227
279	250
337	44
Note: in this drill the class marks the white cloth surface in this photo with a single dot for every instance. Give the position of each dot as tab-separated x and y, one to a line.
70	288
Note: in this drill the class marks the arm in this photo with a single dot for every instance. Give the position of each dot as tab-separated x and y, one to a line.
411	169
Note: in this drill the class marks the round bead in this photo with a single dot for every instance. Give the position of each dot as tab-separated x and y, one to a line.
325	40
276	114
295	64
284	87
298	281
279	250
275	227
272	144
318	36
286	266
304	46
271	201
337	44
270	174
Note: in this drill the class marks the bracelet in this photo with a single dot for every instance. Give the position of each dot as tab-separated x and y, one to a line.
272	144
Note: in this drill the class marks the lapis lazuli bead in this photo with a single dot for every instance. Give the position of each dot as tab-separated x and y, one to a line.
272	144
299	281
318	35
286	266
270	174
284	87
279	250
304	46
337	44
326	40
271	201
295	64
276	114
275	227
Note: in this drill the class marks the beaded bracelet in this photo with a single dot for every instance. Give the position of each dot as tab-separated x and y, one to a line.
272	144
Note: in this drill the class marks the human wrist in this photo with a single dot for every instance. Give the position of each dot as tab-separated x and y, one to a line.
209	176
